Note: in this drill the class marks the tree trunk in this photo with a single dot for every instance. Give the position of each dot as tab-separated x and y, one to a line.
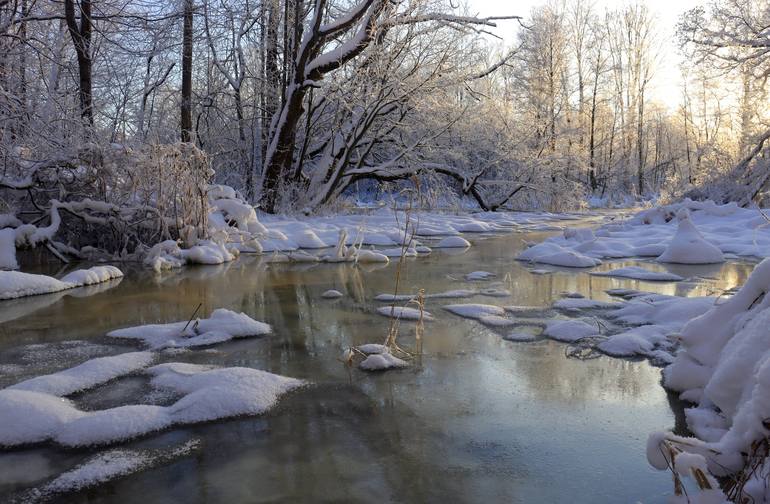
81	39
185	121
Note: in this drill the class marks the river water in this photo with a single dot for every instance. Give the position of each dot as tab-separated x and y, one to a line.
475	419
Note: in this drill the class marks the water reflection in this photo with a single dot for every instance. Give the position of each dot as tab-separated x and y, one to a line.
479	418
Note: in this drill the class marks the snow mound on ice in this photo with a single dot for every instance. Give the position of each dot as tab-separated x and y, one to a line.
404	313
223	325
87	375
15	284
688	246
479	275
207	394
570	331
379	358
474	311
453	242
556	255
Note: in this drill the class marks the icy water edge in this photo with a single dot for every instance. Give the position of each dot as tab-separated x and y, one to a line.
477	419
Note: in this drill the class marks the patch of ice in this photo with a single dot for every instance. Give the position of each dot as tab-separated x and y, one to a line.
474	311
479	275
639	273
404	313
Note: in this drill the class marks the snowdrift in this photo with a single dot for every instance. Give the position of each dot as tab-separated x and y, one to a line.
724	368
689	232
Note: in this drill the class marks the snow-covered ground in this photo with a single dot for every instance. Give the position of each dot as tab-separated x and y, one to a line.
690	232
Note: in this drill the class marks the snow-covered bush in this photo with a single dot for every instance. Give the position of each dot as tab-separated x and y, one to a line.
108	199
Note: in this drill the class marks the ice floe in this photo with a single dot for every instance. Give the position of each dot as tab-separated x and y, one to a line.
87	375
479	275
207	394
222	325
404	313
475	311
570	331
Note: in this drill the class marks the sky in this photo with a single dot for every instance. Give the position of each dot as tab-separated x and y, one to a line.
666	84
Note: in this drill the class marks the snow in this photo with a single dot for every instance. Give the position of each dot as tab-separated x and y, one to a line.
87	375
332	294
556	255
688	232
207	394
479	275
404	313
570	331
223	325
453	242
639	273
110	465
379	358
15	284
371	256
475	311
723	366
688	246
8	249
91	276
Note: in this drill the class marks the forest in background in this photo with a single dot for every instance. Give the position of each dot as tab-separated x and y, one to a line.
122	112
